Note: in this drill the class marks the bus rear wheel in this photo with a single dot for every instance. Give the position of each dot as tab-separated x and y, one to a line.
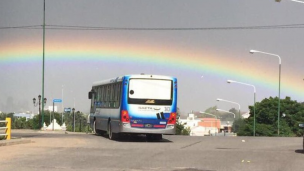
112	135
154	137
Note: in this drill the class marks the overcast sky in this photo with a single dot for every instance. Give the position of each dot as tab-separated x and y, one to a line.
218	51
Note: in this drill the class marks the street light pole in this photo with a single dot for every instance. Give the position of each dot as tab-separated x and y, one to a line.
233	103
280	61
254	94
42	113
73	119
39	103
298	1
62	105
208	114
226	112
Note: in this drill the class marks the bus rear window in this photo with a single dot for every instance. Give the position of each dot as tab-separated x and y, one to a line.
150	91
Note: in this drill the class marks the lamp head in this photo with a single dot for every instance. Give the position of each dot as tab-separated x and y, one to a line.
34	100
45	99
39	97
230	81
73	109
253	51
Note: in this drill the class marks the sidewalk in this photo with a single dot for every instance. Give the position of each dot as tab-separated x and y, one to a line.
14	141
18	131
19	140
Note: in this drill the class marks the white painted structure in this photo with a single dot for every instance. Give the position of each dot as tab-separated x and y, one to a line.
55	125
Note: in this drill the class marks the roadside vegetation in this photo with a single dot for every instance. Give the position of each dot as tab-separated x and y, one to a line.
181	129
291	115
22	123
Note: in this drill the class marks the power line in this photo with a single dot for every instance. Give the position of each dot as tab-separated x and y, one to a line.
174	28
71	27
23	27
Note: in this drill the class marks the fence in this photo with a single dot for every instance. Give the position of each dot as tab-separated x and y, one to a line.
7	128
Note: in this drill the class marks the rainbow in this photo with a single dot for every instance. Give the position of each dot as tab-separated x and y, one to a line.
202	62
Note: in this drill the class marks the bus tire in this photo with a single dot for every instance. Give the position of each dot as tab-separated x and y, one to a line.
112	135
94	128
154	137
158	137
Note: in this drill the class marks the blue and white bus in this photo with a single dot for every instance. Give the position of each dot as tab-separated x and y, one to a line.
134	104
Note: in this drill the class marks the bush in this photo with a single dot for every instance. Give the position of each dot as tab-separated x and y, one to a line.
80	122
21	123
181	130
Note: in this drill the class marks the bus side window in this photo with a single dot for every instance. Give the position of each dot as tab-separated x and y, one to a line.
108	96
118	94
113	95
103	96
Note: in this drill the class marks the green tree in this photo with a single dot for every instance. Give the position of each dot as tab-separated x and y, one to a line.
211	110
292	113
80	121
181	130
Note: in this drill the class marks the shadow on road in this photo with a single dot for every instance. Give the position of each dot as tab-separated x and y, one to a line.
136	138
299	151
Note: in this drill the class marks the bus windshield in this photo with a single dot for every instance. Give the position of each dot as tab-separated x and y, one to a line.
150	91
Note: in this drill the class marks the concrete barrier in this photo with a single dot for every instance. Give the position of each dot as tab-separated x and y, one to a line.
7	128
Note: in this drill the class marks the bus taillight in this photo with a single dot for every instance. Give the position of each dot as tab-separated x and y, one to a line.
125	116
172	118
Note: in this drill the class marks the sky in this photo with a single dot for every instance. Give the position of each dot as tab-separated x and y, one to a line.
202	59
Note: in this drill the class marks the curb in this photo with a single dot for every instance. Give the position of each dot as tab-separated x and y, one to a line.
14	142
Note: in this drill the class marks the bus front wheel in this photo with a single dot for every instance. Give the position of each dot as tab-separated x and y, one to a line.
96	131
94	128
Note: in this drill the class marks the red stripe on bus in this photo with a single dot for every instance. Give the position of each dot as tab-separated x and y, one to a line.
137	125
159	126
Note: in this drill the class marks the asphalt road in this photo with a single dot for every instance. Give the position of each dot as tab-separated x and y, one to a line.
60	151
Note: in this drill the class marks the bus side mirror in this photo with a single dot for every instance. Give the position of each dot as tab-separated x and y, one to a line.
91	93
301	125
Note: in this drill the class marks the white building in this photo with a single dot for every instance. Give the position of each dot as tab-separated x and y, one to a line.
246	115
50	108
24	115
190	122
193	123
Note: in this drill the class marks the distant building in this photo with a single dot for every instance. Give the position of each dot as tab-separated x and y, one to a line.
24	115
201	126
246	115
226	126
50	108
212	125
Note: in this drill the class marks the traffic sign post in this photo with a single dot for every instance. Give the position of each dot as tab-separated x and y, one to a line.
55	101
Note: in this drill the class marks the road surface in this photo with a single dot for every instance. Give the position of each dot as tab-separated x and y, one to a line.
80	151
